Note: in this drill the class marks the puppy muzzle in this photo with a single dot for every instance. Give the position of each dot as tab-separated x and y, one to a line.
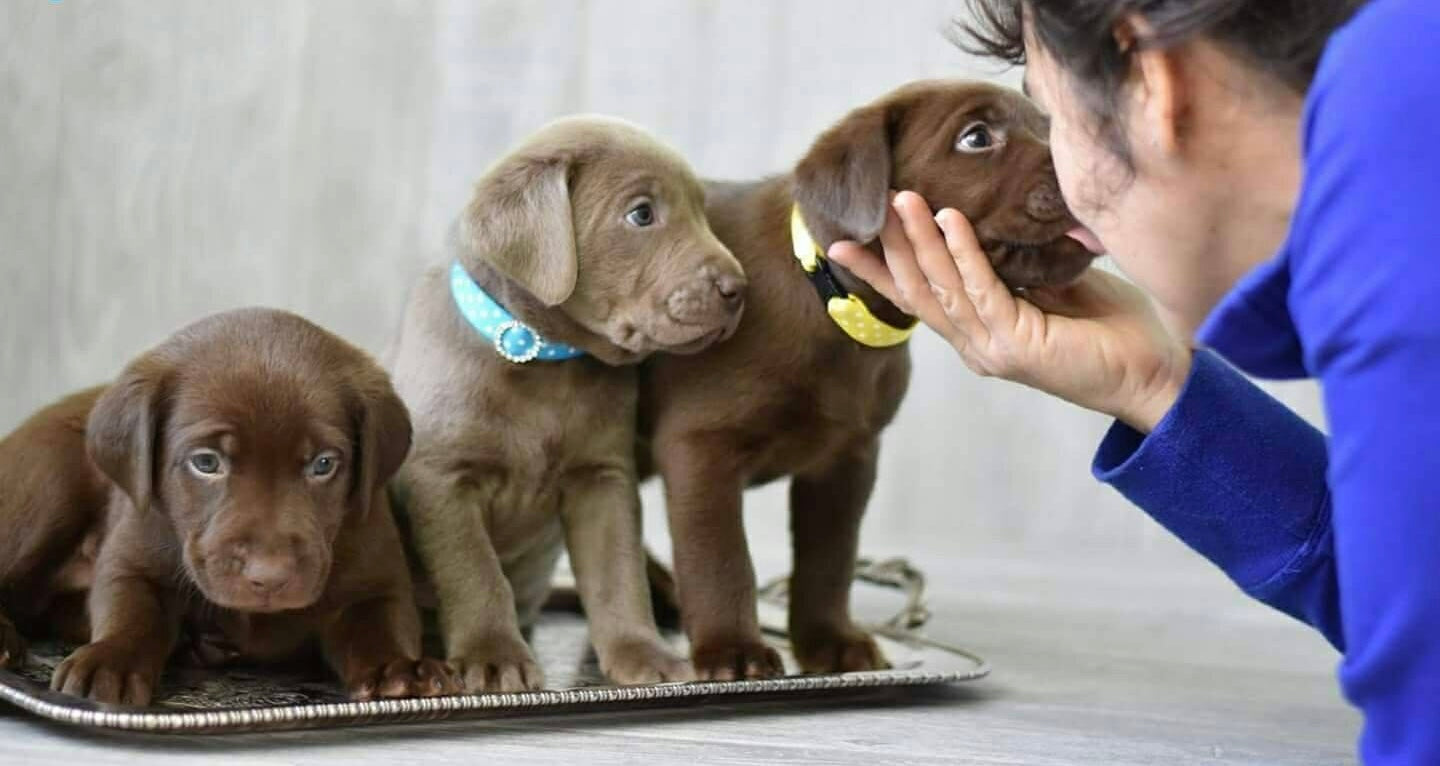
709	301
272	574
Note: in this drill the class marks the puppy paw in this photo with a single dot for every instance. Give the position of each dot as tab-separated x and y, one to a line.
736	660
836	650
108	672
406	678
12	646
644	661
502	665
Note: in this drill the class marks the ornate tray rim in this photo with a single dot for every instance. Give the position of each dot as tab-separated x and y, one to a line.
44	703
40	701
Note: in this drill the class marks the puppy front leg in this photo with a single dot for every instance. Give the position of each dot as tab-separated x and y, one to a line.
477	606
374	647
712	564
601	514
825	513
136	622
373	643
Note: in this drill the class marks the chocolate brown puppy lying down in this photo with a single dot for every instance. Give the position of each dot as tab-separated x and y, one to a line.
225	496
809	380
581	252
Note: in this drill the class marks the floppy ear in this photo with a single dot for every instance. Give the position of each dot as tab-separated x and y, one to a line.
122	435
845	177
382	437
519	222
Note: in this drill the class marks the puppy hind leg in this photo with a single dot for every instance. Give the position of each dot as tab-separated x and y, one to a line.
47	556
13	652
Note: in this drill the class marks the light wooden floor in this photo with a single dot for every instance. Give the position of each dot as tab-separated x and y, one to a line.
1106	659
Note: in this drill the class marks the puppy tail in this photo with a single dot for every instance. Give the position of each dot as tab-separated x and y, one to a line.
664	593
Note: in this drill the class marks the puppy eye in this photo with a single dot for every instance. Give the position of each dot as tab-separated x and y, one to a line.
206	462
641	215
977	137
323	466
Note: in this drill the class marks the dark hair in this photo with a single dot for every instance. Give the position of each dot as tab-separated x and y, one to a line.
1281	38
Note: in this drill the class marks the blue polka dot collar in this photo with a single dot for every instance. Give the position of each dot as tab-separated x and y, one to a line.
513	339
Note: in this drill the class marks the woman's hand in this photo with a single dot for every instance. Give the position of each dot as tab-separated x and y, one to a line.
1095	342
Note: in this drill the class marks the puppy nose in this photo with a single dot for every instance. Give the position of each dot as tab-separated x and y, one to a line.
269	572
731	289
1044	203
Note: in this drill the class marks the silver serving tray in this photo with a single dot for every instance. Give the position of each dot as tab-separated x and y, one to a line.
253	699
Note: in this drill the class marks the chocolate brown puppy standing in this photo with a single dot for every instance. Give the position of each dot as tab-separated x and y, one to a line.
581	253
794	393
227	488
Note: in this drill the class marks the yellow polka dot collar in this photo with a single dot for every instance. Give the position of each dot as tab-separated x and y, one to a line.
846	309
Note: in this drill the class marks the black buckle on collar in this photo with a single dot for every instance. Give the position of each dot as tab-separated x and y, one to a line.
825	282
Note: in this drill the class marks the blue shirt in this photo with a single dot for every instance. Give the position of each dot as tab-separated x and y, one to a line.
1343	533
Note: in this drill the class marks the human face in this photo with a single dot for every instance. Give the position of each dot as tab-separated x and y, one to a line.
1198	205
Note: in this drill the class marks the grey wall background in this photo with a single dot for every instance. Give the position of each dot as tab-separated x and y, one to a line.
161	160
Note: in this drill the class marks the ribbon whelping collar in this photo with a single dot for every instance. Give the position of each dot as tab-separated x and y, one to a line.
514	340
845	308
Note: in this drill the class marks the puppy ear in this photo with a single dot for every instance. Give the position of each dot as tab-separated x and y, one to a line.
519	222
122	435
845	177
382	436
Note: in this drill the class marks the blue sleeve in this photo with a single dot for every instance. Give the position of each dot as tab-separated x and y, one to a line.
1241	479
1365	296
1238	477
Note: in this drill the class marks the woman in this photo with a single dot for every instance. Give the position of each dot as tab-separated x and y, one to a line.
1239	162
